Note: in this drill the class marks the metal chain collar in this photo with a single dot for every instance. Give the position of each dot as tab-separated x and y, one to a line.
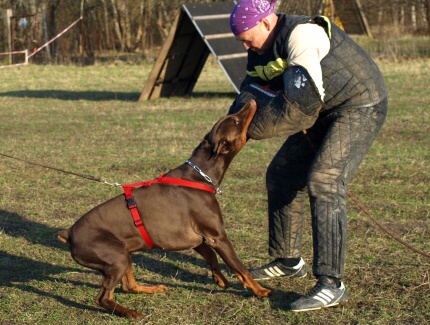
206	177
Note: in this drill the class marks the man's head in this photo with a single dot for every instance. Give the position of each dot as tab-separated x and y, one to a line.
252	21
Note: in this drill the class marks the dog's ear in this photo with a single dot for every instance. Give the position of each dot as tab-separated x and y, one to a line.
222	147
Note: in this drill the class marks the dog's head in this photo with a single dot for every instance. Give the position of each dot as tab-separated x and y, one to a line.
228	135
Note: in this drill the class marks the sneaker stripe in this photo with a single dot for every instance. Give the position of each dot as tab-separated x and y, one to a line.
274	272
267	271
327	293
322	300
323	296
277	270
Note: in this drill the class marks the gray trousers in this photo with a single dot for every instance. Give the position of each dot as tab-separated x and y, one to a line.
321	163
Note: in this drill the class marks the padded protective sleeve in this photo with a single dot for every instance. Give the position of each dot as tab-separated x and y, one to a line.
285	112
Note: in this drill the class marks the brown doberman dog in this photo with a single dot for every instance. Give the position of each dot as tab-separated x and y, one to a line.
175	218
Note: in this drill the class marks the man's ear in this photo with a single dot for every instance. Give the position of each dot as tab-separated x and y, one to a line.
268	24
270	21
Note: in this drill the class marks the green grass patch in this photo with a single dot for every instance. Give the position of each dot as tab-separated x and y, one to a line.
88	120
395	48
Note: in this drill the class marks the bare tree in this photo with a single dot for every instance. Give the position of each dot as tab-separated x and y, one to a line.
106	24
117	25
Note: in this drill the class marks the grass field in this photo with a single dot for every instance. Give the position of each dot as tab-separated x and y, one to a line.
88	120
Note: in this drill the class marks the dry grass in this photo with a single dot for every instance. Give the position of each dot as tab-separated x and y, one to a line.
88	120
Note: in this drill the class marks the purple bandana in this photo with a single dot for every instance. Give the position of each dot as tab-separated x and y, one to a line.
248	13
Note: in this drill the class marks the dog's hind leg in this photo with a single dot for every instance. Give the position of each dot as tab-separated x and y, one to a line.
112	259
211	259
105	300
105	297
128	284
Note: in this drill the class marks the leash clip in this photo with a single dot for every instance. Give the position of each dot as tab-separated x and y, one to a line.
111	184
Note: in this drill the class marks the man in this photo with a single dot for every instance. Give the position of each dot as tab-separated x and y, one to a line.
324	94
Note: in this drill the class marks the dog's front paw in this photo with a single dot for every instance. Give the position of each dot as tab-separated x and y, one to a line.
130	313
263	292
160	288
220	280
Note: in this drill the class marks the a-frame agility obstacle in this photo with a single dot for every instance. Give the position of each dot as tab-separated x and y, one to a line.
199	30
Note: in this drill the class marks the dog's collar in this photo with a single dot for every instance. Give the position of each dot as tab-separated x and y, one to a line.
206	177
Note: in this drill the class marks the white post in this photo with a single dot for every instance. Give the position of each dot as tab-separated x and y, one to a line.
9	33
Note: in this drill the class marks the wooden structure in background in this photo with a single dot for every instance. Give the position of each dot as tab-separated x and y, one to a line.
199	30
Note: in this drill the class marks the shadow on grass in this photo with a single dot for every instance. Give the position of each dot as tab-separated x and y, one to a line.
164	263
279	300
98	95
211	94
17	226
19	272
73	95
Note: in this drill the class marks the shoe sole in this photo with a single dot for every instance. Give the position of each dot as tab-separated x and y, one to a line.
280	276
318	308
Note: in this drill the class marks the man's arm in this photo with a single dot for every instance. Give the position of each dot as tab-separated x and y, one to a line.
307	46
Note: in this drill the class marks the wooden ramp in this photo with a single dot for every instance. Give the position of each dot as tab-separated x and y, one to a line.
199	30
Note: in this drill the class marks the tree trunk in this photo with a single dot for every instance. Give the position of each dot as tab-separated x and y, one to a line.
147	22
106	24
7	46
81	30
140	33
428	17
402	18
117	25
126	24
45	32
53	16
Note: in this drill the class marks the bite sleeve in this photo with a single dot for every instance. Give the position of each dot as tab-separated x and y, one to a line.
282	113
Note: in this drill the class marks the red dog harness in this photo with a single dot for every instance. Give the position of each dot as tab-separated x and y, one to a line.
131	204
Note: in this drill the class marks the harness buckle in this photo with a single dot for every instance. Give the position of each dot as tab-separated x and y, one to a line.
131	204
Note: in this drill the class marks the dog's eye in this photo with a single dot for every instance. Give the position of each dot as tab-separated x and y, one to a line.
226	144
230	145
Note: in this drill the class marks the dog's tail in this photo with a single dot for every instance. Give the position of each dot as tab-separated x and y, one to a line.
63	236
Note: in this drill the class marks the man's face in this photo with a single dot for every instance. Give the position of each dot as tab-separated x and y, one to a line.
256	38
